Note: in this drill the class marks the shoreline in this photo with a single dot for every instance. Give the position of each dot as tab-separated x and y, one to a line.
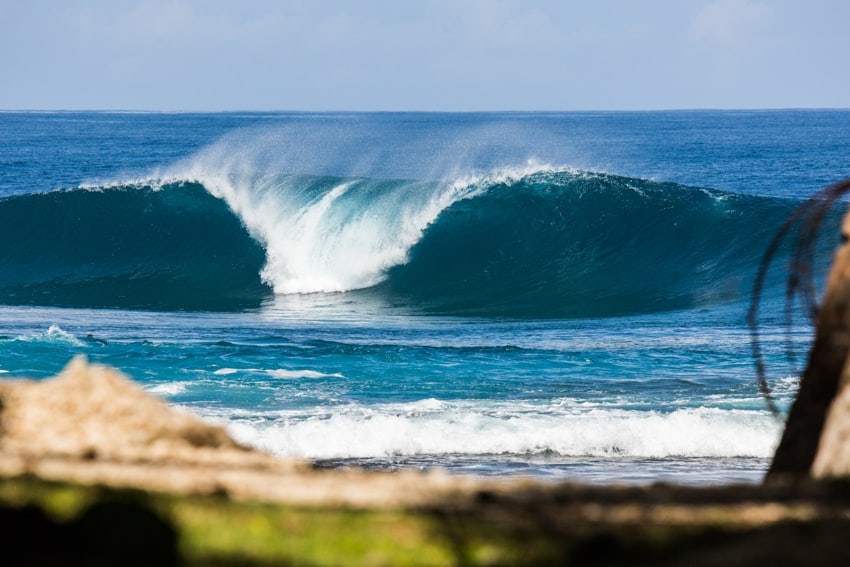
551	469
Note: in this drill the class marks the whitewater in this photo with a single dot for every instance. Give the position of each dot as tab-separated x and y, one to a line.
559	295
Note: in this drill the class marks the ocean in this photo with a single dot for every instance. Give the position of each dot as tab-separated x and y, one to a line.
560	296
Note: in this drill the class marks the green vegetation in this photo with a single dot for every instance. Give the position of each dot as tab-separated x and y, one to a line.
217	531
53	523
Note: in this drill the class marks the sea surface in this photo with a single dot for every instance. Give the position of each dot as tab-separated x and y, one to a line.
554	295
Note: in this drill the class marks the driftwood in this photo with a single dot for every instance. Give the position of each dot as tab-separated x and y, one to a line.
807	439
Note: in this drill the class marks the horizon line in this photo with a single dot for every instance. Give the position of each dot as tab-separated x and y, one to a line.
350	111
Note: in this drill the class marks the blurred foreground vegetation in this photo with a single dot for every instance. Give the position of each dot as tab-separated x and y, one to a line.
46	523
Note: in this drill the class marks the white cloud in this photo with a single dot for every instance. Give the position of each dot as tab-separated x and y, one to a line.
729	21
166	24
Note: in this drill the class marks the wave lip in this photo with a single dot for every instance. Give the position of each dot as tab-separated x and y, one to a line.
329	234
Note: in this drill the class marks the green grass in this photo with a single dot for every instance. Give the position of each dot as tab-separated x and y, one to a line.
218	531
305	536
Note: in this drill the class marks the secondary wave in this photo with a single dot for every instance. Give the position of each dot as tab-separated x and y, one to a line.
432	427
529	242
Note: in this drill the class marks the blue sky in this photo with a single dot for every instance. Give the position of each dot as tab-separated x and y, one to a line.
454	55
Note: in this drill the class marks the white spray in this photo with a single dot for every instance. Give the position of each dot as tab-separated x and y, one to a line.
325	234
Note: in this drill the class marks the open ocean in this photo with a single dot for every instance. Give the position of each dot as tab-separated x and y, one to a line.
557	295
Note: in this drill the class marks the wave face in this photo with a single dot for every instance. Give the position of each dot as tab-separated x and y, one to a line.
536	242
170	247
573	244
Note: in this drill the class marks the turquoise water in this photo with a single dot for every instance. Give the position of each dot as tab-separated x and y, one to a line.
561	295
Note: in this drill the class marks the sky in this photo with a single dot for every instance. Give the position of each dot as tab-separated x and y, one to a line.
423	55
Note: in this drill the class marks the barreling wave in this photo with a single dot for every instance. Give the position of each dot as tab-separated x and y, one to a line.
533	242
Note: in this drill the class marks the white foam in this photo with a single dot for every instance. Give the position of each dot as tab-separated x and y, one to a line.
432	427
293	374
332	243
509	175
54	334
331	239
167	388
279	373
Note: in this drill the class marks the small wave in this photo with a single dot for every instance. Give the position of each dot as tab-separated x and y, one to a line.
225	371
54	334
445	428
294	374
168	388
279	373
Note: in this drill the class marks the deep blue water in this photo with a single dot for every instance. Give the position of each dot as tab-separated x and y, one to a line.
561	295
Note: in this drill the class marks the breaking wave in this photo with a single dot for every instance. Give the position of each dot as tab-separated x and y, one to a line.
535	241
432	427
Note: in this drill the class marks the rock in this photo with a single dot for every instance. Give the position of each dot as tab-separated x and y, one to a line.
92	425
93	412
